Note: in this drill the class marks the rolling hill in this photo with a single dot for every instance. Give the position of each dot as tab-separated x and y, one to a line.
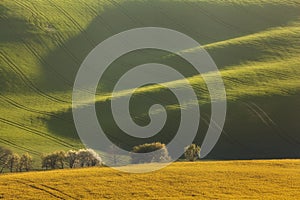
255	44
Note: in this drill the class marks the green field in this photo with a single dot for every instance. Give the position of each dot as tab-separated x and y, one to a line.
256	45
201	180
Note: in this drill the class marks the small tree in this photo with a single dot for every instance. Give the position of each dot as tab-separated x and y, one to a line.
88	158
54	160
147	153
25	162
13	162
95	159
4	154
192	152
61	157
71	158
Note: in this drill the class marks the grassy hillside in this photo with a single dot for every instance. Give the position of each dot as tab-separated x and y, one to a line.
205	180
255	44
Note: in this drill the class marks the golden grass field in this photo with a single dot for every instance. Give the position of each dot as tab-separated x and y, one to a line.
272	179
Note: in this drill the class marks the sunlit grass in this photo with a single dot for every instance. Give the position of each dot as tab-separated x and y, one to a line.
256	63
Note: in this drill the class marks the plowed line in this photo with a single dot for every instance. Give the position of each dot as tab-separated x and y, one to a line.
27	81
40	188
271	125
11	144
36	132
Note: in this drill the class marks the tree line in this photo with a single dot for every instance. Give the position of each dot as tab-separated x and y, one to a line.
14	162
71	159
156	152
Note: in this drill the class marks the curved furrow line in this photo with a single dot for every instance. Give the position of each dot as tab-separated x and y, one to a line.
43	61
20	106
59	191
59	37
59	40
232	80
275	125
267	122
36	132
99	18
27	81
74	22
257	114
13	145
281	75
230	138
33	185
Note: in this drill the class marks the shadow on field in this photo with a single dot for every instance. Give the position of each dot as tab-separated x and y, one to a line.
255	128
205	22
259	128
22	28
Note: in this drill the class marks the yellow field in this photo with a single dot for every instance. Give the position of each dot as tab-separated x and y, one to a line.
276	179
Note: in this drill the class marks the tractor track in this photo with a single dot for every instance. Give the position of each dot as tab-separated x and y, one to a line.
58	36
20	106
59	41
230	138
11	144
270	123
74	22
27	81
43	186
34	186
36	132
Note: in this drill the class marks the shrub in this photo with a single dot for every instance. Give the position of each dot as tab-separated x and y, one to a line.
192	152
147	153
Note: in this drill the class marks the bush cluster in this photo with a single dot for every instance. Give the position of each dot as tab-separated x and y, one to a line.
155	152
71	158
158	152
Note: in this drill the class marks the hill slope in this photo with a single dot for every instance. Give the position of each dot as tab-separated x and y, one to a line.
255	44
